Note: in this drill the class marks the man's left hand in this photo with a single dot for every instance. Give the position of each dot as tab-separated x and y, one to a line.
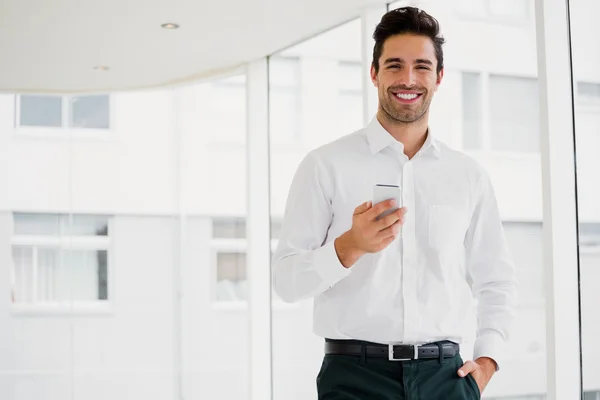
481	369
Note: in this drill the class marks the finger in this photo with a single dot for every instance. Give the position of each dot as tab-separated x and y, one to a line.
399	213
380	207
362	208
391	219
391	231
467	368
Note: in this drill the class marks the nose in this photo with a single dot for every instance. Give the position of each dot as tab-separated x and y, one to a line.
408	77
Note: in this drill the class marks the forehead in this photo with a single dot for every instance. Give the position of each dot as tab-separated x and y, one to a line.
408	47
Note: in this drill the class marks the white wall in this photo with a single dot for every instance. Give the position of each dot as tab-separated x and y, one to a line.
214	339
127	170
129	351
126	351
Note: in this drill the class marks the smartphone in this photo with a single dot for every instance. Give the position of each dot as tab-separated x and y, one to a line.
387	192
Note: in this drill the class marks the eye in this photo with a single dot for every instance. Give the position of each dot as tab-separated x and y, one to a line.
423	67
394	66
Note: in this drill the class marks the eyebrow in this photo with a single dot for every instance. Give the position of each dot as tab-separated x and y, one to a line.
401	61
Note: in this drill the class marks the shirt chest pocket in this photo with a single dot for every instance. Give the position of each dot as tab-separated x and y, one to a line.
447	227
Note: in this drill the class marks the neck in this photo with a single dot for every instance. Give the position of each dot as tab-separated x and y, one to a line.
412	135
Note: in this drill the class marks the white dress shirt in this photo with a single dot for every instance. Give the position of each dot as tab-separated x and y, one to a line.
450	251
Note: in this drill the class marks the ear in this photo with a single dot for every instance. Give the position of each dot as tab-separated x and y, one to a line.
439	79
373	75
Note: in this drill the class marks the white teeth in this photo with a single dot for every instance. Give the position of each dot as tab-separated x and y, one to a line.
406	96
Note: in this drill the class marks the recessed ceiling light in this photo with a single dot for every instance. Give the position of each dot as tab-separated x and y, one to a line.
170	25
101	68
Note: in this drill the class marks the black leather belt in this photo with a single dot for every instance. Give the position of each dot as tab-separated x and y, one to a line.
396	352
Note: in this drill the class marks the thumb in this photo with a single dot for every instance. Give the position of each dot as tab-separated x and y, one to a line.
362	208
466	369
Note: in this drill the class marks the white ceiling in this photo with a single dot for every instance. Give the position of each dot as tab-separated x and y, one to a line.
54	45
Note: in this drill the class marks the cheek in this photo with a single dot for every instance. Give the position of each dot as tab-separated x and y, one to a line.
430	83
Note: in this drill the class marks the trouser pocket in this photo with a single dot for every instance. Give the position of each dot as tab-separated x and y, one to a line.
471	381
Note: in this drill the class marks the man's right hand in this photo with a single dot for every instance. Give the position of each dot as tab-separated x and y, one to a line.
369	234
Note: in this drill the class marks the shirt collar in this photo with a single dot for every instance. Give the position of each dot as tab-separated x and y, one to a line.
379	139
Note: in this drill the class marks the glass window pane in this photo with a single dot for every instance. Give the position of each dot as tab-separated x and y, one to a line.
86	225
472	110
510	117
589	232
82	276
514	113
284	121
284	71
329	90
230	228
350	76
586	73
130	184
350	111
214	205
284	100
22	284
350	99
102	275
90	112
37	224
232	284
525	242
41	111
47	266
591	395
588	94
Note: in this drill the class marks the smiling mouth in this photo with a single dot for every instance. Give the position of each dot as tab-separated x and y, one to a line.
407	98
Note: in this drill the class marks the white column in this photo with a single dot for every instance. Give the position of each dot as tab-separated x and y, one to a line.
370	18
258	232
560	217
179	235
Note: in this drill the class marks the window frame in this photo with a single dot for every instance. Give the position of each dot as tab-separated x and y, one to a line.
66	242
65	131
229	245
218	246
234	245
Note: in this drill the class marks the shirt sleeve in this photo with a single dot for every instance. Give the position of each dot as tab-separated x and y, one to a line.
492	271
305	262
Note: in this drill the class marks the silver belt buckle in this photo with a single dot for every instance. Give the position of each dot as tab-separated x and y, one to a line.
391	353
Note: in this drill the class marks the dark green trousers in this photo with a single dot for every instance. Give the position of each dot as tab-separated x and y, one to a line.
344	377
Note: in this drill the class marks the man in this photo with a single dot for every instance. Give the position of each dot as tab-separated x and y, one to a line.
392	295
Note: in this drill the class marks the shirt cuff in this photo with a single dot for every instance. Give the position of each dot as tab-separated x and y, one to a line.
490	345
328	265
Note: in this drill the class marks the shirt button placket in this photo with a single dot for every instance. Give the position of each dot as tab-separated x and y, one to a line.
409	272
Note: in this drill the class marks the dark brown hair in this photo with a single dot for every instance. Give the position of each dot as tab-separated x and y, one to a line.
409	20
